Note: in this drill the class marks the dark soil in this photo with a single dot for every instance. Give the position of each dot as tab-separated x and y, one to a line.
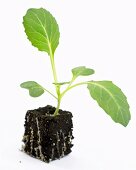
48	137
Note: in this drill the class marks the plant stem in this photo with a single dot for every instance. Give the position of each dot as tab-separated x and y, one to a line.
50	93
72	80
60	95
54	73
57	108
70	87
55	80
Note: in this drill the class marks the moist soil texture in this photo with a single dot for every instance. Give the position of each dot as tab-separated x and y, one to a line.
48	137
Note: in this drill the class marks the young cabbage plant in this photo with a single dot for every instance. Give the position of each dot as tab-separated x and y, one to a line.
42	30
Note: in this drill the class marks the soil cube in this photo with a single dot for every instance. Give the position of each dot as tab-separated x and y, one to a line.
48	137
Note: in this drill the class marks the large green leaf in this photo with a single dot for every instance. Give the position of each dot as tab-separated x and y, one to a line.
42	29
82	71
111	99
35	90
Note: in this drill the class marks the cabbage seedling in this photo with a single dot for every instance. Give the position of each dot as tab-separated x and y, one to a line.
42	30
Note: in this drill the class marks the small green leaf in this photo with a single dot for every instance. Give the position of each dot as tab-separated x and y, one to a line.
82	71
42	29
62	83
35	90
111	99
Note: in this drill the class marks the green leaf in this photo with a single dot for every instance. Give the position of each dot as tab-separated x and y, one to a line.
62	83
82	71
35	90
42	29
111	99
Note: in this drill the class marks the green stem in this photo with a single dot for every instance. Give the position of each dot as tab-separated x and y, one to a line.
54	73
57	108
61	95
70	87
55	80
50	93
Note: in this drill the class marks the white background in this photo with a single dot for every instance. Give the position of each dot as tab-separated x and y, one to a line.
100	34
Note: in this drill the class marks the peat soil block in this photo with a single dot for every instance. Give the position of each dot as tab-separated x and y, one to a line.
48	137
